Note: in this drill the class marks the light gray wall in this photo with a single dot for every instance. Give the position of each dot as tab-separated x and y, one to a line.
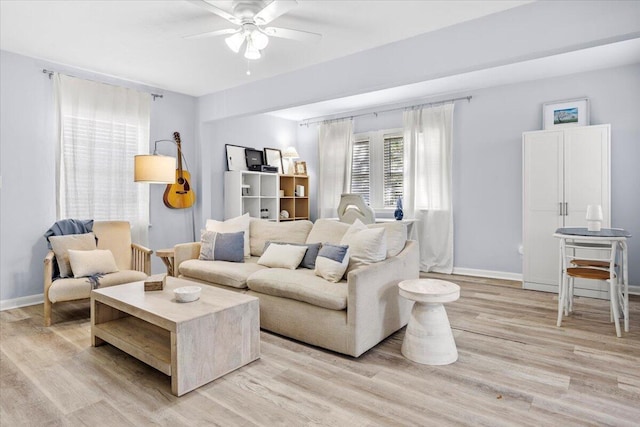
487	160
531	31
27	165
257	131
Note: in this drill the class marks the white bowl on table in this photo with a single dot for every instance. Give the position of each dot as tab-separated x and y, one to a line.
187	293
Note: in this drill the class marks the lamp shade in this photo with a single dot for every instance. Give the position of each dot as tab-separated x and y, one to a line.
290	153
594	217
154	169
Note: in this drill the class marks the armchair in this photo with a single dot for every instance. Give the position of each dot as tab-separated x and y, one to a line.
133	261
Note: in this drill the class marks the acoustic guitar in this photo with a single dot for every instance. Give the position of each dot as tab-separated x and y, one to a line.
179	195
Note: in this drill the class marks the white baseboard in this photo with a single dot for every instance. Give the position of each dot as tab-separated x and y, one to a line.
8	304
488	273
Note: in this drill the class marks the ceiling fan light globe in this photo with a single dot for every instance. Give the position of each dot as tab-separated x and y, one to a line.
259	39
251	52
235	42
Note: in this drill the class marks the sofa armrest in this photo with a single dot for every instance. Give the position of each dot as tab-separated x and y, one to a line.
141	258
184	252
374	306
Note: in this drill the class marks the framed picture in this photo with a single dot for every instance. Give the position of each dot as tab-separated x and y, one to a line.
560	114
300	168
273	157
236	157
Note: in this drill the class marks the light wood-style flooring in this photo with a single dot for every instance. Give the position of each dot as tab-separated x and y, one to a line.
515	368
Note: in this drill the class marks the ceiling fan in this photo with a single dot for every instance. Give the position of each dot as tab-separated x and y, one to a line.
251	18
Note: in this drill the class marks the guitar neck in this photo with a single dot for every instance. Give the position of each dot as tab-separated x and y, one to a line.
176	137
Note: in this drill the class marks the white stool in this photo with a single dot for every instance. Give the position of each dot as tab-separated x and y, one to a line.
428	338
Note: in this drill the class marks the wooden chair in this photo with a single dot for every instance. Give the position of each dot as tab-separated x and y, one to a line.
133	261
591	258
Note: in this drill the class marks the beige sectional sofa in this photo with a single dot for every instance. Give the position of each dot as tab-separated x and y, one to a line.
348	317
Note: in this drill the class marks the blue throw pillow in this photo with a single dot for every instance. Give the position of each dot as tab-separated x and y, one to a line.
222	246
309	260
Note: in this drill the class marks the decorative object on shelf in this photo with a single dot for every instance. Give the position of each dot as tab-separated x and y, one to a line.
573	112
299	190
246	189
250	17
236	160
290	154
398	214
281	193
284	214
594	217
273	157
254	158
301	168
264	213
179	195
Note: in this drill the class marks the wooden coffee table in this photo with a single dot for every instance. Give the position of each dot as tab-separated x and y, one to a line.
194	342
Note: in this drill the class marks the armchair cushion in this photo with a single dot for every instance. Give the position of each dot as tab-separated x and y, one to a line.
62	244
89	263
79	288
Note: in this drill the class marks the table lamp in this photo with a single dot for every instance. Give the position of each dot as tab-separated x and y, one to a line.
290	154
594	217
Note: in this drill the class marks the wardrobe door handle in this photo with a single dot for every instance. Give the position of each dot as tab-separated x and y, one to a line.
566	208
561	210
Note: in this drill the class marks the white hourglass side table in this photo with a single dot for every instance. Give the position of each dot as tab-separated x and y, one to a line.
428	338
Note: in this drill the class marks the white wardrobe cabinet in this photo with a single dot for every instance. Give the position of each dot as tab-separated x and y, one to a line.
564	171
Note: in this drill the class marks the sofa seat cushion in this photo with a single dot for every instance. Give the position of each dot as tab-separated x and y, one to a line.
301	285
232	274
78	288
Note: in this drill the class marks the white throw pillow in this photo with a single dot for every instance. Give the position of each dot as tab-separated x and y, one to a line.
396	236
239	223
366	245
282	256
88	263
332	262
62	244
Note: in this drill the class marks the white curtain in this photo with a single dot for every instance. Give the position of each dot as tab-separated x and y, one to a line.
334	154
100	129
427	186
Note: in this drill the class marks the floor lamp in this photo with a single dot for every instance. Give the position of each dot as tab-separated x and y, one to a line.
158	169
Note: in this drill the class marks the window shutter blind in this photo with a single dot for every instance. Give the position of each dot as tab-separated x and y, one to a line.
393	170
360	169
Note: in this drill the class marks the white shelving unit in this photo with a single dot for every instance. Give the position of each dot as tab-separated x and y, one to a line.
251	192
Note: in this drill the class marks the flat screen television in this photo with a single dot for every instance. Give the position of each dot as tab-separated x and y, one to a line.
255	159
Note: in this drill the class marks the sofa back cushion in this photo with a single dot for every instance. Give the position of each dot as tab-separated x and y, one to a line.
261	231
327	231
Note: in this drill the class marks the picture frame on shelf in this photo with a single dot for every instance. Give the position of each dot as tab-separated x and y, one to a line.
562	114
254	159
273	157
300	168
236	157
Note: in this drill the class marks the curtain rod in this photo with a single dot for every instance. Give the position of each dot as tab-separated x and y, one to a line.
51	73
307	122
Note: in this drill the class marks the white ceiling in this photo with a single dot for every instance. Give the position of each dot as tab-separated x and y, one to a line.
142	40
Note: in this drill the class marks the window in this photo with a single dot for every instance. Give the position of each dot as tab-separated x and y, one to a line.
377	167
101	128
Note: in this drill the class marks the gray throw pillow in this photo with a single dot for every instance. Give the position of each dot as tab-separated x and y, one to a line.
309	260
222	246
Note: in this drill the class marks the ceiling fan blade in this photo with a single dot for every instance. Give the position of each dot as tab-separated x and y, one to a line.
273	10
213	9
214	33
287	33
